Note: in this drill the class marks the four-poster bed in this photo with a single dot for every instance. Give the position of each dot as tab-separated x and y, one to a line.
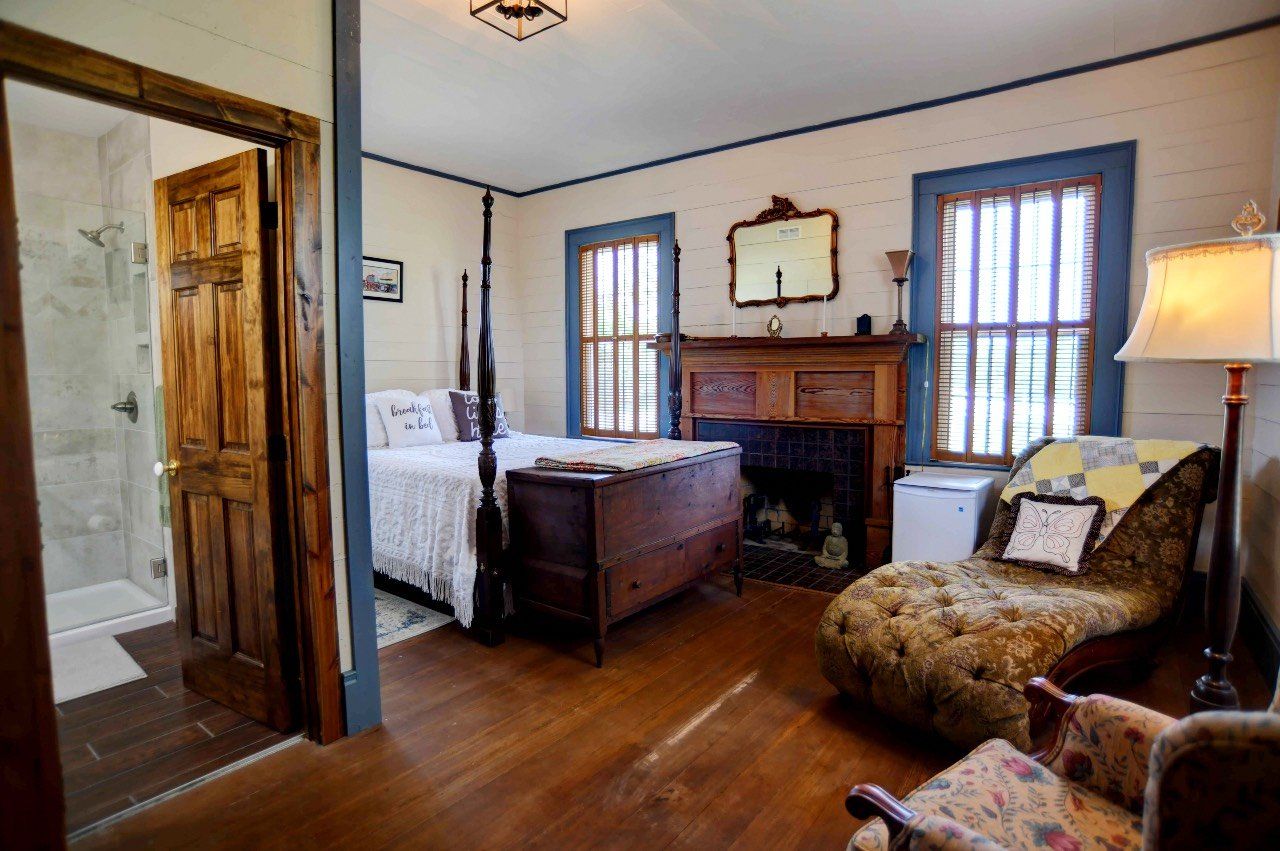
439	511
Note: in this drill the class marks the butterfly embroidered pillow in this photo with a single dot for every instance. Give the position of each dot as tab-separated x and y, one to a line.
1054	532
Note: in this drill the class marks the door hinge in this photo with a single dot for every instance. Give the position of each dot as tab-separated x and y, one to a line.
270	215
159	568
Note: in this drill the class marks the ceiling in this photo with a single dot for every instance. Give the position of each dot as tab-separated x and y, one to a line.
629	81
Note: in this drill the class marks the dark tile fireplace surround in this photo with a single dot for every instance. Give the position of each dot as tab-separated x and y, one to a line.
837	452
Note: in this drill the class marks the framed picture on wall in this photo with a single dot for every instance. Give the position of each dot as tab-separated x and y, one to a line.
383	279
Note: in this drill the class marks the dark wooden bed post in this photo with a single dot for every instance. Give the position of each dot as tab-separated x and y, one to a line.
464	349
675	400
490	606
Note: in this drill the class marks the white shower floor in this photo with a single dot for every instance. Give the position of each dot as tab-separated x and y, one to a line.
94	603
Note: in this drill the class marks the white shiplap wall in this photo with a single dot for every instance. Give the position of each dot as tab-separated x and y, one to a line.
1261	521
435	228
1204	119
278	52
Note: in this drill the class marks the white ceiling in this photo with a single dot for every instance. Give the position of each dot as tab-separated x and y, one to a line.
57	111
629	81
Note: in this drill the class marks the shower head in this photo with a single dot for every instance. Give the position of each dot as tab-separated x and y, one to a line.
95	236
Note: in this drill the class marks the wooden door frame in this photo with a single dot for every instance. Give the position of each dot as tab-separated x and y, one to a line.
28	733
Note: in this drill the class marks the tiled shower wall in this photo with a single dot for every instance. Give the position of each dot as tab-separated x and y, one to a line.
87	315
64	300
124	161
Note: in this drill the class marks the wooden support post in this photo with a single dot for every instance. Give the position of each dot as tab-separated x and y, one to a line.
489	595
675	400
464	349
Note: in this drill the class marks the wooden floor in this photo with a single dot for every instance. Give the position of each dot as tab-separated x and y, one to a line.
708	727
130	743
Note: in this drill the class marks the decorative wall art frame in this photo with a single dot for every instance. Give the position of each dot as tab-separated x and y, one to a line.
382	280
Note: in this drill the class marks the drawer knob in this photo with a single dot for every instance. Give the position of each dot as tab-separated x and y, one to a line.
720	547
680	546
635	583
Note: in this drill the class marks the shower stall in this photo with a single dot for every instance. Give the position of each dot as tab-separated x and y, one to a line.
87	316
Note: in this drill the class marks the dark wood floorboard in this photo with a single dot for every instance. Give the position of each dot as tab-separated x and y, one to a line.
708	727
140	739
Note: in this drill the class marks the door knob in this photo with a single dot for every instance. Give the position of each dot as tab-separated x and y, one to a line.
171	468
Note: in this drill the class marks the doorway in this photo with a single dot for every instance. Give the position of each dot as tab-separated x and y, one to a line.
166	446
166	661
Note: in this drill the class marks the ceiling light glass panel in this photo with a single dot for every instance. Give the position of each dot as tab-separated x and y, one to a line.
521	18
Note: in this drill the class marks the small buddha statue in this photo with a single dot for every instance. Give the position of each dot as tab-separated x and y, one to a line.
835	550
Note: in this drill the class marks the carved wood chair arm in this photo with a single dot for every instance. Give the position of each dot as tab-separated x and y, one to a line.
867	800
1049	705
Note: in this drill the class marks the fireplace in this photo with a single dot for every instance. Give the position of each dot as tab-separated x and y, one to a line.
790	460
808	405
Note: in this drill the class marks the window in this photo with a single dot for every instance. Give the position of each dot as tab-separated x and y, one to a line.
1016	277
617	316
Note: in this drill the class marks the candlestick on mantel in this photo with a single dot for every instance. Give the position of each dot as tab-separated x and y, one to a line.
824	316
733	320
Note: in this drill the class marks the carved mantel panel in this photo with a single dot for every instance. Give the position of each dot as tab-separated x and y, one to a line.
840	382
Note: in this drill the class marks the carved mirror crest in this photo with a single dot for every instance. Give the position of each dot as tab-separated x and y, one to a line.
783	255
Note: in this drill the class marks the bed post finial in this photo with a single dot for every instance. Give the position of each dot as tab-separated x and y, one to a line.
675	400
490	597
464	348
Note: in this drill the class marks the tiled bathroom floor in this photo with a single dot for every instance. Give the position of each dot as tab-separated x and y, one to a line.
95	603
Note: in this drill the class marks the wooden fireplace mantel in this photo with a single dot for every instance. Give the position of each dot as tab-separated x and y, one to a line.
842	382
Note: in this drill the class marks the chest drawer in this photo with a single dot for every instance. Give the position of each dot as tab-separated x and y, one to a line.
634	583
712	550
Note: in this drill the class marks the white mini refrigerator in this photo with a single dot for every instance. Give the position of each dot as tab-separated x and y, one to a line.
937	517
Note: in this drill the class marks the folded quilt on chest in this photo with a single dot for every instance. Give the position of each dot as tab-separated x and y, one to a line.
1116	469
621	457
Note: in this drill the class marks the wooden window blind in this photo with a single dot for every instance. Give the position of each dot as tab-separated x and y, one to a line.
1017	283
618	315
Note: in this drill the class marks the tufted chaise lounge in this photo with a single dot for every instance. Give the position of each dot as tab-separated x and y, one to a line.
948	647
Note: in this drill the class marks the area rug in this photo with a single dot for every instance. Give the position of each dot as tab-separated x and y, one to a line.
90	666
400	619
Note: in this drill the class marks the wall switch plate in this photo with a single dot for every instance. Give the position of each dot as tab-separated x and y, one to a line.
137	252
159	568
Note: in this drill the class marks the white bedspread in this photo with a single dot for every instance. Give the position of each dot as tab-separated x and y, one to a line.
422	504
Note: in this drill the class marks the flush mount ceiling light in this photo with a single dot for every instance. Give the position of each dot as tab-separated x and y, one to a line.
521	18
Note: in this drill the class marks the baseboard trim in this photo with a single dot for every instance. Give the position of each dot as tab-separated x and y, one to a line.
1259	634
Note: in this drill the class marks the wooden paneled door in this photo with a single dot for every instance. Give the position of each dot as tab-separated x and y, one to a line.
225	437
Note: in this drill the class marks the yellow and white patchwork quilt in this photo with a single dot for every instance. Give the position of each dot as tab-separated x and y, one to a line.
1117	469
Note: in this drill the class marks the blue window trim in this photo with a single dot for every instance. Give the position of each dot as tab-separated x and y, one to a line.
1116	165
664	225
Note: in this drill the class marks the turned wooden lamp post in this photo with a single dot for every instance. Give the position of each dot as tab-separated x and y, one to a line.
1218	302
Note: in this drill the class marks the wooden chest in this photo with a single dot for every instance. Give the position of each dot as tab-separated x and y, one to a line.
597	547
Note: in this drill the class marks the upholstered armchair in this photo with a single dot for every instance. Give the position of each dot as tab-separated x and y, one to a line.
1114	776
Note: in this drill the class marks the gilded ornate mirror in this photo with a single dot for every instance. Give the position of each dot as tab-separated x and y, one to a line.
783	255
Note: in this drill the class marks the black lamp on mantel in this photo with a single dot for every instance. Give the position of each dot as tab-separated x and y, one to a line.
1216	301
900	263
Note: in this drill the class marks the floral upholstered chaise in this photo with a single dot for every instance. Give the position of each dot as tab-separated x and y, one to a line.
948	647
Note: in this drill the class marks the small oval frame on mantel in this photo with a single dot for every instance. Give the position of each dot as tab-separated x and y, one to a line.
782	210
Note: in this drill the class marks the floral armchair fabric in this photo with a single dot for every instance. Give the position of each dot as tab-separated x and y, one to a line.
1117	776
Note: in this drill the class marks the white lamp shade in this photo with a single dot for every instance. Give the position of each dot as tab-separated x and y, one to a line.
1216	301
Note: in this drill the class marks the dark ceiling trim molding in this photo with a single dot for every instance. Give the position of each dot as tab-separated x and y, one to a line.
1100	65
422	169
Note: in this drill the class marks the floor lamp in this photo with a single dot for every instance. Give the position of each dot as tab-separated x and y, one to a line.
1218	302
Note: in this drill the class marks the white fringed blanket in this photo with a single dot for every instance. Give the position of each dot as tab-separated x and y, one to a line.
422	508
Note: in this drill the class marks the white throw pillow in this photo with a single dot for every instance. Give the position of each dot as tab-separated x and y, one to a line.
443	410
1054	532
375	431
409	422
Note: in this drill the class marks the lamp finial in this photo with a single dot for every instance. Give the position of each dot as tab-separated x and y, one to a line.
1249	220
